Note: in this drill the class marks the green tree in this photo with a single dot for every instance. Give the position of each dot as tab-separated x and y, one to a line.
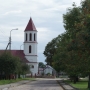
10	64
41	65
25	69
50	50
77	25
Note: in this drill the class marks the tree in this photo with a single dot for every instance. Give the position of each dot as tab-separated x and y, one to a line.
8	64
72	53
61	53
25	69
77	25
41	65
11	65
50	50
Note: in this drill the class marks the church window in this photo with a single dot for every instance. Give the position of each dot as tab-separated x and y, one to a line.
34	37
30	37
30	49
32	66
26	36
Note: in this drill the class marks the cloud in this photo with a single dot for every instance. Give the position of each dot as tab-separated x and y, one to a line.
12	12
46	15
45	34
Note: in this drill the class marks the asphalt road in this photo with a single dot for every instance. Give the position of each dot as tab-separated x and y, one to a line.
42	84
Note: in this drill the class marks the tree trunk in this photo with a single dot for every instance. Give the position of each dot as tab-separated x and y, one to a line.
77	79
74	79
89	82
19	75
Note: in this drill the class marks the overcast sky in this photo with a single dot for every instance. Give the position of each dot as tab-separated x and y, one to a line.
46	15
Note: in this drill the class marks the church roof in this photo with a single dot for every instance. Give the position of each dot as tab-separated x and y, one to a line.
30	26
17	53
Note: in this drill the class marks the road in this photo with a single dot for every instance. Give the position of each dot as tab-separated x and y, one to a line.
40	84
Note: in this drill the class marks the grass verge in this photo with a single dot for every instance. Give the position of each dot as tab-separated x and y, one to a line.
3	82
81	85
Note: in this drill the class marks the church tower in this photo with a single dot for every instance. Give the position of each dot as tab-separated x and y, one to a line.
30	46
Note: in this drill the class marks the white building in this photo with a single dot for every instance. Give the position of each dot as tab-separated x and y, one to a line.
48	70
29	54
30	46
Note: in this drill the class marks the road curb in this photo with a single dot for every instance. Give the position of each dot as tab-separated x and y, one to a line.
62	84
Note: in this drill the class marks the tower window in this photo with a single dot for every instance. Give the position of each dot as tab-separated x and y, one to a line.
30	37
26	36
30	49
34	37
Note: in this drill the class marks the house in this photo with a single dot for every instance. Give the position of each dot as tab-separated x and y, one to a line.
40	71
29	54
47	70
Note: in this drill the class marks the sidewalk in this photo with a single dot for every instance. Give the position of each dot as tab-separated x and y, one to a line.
66	86
5	87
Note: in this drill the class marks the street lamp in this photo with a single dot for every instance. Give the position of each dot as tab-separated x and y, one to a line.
20	46
10	38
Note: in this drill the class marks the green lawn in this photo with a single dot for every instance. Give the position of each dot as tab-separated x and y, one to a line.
3	82
81	85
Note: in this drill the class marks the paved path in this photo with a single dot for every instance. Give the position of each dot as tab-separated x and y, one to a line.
39	84
44	84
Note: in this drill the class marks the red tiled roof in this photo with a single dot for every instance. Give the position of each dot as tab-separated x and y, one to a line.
30	26
18	53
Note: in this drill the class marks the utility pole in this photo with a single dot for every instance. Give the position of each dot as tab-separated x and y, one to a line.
9	43
10	38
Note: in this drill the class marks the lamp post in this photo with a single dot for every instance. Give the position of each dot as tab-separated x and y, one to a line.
10	38
20	46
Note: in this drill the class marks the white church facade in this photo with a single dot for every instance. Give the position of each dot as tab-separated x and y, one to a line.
30	46
29	53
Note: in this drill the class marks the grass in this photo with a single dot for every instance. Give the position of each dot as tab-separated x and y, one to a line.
81	85
3	82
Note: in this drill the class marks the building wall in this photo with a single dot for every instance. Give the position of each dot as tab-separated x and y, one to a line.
31	57
35	69
48	70
28	33
33	50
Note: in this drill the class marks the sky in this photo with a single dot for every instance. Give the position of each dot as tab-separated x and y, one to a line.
47	16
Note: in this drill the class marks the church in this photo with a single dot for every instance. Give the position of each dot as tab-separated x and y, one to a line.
29	54
30	46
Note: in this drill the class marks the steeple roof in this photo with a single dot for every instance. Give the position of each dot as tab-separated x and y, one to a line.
30	26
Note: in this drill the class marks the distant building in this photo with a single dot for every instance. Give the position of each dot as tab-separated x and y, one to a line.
29	54
48	70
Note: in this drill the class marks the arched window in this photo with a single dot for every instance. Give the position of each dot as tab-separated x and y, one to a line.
34	37
26	36
32	66
30	37
30	49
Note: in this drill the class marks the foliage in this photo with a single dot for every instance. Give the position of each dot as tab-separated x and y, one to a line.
8	63
11	65
41	65
48	74
72	53
50	50
25	68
